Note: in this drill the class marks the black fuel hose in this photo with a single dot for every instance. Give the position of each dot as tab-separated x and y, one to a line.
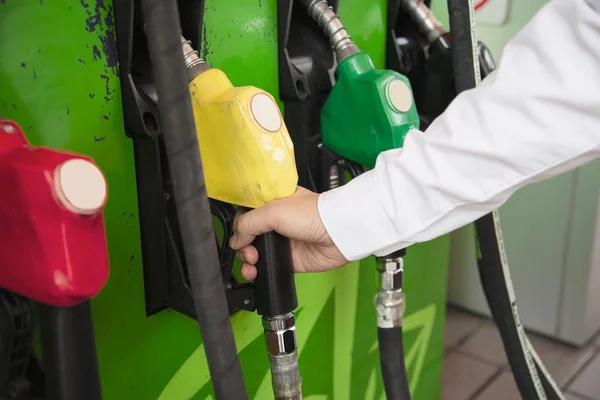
393	367
193	210
69	352
276	300
389	303
531	377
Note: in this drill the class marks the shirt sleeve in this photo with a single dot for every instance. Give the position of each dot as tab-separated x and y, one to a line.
536	116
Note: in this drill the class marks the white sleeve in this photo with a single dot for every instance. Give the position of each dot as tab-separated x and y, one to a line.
536	116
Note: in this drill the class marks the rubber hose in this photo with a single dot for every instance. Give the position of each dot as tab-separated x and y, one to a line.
193	209
493	279
465	79
391	358
69	352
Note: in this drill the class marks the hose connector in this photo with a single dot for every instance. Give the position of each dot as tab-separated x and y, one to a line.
327	19
194	64
425	20
389	300
280	333
390	273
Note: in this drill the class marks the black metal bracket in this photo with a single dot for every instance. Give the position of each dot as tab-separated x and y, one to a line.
306	66
341	170
428	68
16	345
404	44
165	273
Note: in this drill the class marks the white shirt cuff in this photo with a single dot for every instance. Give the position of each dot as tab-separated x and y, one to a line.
356	220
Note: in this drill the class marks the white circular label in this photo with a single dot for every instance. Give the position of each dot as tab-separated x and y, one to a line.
265	112
80	186
8	128
399	95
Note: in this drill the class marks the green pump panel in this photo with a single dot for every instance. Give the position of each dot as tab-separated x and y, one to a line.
59	80
368	111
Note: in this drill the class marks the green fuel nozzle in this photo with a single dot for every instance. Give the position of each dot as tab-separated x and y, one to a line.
369	110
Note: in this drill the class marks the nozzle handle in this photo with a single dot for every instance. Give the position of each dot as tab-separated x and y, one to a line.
69	352
275	288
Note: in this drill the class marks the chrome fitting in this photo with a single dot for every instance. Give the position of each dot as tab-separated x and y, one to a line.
194	64
285	376
391	271
390	307
280	333
425	20
327	19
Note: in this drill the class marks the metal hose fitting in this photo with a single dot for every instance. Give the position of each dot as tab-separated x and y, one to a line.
327	19
194	64
389	300
425	20
280	333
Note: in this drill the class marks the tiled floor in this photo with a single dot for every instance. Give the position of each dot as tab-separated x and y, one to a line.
475	367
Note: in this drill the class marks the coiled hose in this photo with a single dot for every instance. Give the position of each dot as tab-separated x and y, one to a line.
193	209
533	380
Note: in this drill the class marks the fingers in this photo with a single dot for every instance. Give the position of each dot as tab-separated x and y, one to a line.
247	225
249	272
248	255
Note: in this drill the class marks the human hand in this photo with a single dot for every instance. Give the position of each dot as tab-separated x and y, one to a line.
296	218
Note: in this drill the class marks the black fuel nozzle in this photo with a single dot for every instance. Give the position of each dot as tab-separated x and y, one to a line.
276	300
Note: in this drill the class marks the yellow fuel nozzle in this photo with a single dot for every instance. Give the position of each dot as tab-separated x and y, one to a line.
246	150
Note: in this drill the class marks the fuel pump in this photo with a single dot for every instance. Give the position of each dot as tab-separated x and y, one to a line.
249	163
435	91
196	137
54	253
390	114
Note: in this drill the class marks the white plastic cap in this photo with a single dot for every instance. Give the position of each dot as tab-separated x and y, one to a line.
265	112
399	95
80	186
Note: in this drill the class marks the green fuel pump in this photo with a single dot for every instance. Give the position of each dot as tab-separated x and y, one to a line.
363	100
367	112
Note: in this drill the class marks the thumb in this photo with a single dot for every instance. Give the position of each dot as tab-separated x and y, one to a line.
247	225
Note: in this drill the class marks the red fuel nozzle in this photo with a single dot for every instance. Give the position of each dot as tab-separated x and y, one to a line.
52	239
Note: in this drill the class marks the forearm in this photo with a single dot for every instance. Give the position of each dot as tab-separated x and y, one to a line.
538	115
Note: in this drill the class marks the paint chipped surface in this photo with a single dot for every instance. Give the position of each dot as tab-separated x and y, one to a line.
108	92
96	53
100	21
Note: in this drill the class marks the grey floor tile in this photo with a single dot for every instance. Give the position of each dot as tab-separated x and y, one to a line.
562	362
501	388
486	344
573	396
587	382
464	376
459	325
